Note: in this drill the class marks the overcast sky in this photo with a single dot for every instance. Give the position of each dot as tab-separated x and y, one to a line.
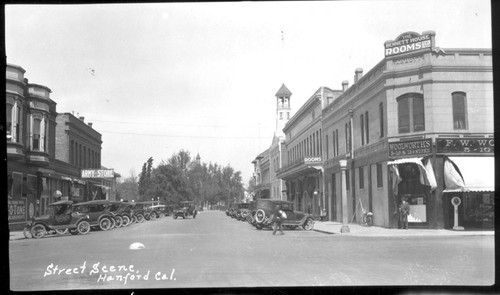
157	78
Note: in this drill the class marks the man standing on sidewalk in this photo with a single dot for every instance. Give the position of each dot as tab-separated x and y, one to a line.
404	211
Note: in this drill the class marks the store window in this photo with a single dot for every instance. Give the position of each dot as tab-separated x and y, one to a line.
411	113
361	178
479	209
459	110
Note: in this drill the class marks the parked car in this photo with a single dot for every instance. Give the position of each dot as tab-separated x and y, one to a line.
251	208
186	209
60	219
232	210
158	210
98	212
242	211
114	209
295	219
126	213
142	211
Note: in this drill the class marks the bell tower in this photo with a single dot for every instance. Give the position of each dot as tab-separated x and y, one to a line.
282	109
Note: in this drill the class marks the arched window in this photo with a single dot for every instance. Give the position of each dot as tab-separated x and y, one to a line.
411	113
459	102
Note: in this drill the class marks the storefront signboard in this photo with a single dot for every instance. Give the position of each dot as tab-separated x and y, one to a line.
98	173
407	42
410	148
312	160
17	210
479	145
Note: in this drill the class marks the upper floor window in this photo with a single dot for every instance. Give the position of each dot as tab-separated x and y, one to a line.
459	101
12	122
367	128
36	143
411	113
362	124
381	118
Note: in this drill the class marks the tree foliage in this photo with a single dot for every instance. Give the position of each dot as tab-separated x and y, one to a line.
181	179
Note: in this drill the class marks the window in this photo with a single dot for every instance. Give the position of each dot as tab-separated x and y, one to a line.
288	115
362	124
381	118
8	121
459	110
326	140
379	175
366	128
333	144
361	178
336	142
411	113
36	134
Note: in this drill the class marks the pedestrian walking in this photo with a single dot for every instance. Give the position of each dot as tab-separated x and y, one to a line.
277	221
404	211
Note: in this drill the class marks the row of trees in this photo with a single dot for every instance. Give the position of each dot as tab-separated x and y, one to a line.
181	179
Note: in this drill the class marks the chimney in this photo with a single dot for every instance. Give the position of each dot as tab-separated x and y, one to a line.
358	73
82	118
345	85
90	124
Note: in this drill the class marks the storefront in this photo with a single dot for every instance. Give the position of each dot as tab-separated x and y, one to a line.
469	174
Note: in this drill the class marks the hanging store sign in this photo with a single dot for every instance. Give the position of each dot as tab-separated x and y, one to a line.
98	173
410	148
479	145
408	42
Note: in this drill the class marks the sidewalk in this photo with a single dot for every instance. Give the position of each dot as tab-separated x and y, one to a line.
330	227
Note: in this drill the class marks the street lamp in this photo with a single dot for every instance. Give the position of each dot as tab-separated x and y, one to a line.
345	227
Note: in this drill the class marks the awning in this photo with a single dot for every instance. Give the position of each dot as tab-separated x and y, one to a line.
66	178
478	174
426	172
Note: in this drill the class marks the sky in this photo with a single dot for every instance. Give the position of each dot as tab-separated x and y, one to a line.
202	77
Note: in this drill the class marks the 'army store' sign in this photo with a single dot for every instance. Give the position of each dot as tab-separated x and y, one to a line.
479	145
98	173
410	148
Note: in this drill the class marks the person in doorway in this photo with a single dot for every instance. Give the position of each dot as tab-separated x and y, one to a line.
404	211
277	221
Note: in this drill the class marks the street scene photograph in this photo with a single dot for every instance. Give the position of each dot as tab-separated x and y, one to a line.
250	145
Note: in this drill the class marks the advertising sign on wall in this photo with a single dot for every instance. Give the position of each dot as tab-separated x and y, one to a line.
98	173
479	145
408	42
17	210
410	148
312	160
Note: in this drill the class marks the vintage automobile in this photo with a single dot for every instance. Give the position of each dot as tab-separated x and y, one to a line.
126	212
242	211
116	217
142	211
185	210
232	210
252	208
295	219
158	210
98	212
60	219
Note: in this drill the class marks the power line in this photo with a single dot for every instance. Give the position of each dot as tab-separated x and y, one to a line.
182	136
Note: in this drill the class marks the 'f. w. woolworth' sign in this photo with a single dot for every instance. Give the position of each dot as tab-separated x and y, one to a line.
408	42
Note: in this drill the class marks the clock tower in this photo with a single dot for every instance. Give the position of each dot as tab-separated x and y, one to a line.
282	109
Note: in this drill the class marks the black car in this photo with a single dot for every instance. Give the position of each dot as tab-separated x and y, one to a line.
186	209
265	208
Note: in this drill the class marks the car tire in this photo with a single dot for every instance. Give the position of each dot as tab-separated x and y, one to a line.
260	216
126	220
119	221
140	218
62	231
27	232
309	224
105	224
184	216
38	231
152	216
73	231
83	227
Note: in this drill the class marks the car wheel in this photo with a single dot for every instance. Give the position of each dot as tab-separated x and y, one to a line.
105	224
119	221
184	216
27	232
73	231
309	224
126	220
140	218
113	223
62	231
260	215
152	216
162	215
38	231
83	227
133	219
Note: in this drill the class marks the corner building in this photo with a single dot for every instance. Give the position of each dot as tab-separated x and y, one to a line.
419	125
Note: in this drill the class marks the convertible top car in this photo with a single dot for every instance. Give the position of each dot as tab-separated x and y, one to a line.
265	208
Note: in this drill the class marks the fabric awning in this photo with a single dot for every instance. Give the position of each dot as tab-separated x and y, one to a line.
427	176
478	174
